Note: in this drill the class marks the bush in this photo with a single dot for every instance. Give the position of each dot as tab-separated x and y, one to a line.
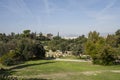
8	59
39	51
11	58
29	49
106	56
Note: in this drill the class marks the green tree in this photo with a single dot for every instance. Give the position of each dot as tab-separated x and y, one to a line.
101	50
62	46
111	40
77	50
39	51
107	55
117	33
52	45
26	33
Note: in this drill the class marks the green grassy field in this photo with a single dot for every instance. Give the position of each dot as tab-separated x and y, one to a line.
60	70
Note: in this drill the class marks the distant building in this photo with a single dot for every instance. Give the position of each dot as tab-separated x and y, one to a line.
70	37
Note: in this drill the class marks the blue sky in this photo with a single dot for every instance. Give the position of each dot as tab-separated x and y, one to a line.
64	16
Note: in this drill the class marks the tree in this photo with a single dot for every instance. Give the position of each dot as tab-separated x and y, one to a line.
4	37
93	43
39	51
63	46
111	40
102	51
26	33
12	35
15	48
107	55
93	36
57	38
77	50
53	45
33	35
31	49
117	33
78	46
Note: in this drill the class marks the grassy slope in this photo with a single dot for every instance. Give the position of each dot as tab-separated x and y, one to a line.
65	70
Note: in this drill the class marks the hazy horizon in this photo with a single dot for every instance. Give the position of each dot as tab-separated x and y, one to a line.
69	17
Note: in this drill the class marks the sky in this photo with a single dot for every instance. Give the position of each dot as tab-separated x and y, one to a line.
63	16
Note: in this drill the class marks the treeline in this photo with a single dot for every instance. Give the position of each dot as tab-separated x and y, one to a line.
102	50
16	48
64	45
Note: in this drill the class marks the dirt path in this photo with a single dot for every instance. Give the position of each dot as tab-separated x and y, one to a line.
73	60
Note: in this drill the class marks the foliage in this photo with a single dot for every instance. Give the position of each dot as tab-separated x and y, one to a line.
20	48
108	55
77	50
26	33
78	45
3	49
39	51
101	50
30	45
74	45
111	40
8	59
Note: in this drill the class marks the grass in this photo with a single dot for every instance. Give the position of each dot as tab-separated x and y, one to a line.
60	70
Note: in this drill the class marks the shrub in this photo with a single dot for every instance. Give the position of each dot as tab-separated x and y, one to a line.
39	51
105	56
9	58
108	55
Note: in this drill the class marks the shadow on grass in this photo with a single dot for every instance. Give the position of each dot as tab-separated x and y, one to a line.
6	73
36	79
28	65
4	77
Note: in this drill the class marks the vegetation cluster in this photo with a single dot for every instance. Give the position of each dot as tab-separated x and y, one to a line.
16	48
